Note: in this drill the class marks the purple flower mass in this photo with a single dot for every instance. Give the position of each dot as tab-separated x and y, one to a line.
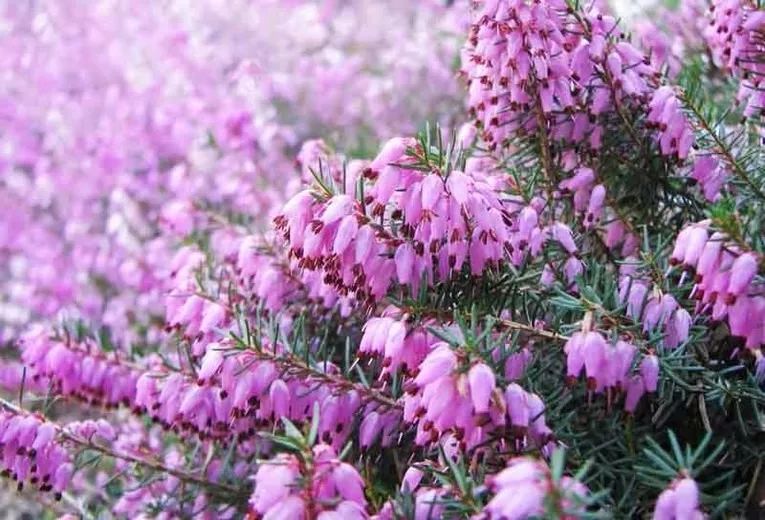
365	259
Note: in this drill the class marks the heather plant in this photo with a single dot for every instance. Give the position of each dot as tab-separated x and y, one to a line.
221	300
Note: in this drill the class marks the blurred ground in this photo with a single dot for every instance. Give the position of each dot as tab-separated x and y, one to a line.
14	506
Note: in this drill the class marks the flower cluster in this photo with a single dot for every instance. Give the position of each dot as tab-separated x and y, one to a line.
79	370
526	489
467	402
389	338
735	38
234	393
528	64
133	442
263	276
711	173
100	430
31	453
653	309
608	367
414	225
666	115
321	487
726	280
670	36
589	202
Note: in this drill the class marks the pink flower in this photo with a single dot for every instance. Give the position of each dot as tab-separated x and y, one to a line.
686	498
411	479
665	505
710	174
338	207
679	500
594	352
279	395
562	234
370	429
595	207
346	232
517	405
432	189
649	371
466	135
440	362
524	489
676	135
574	355
428	504
742	272
404	259
635	390
482	382
292	507
345	510
213	316
211	363
391	152
583	178
678	328
349	483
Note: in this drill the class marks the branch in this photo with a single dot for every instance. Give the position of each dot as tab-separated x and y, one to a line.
514	325
297	367
544	143
221	489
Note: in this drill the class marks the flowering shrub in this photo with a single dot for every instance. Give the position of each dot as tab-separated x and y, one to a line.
238	282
